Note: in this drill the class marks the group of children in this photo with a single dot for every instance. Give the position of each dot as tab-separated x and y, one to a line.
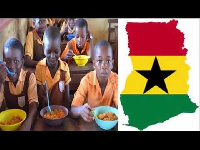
26	90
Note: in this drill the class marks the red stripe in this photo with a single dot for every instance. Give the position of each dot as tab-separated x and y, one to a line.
155	38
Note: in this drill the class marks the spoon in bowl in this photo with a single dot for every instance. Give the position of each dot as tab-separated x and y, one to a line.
45	83
94	113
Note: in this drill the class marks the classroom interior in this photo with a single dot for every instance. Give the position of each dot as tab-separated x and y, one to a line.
101	29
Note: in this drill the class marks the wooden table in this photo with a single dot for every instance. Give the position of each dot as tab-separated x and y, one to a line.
70	124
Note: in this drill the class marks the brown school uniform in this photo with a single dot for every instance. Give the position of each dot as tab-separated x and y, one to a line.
23	94
34	46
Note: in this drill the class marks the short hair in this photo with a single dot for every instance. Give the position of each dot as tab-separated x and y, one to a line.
52	33
82	23
14	43
101	43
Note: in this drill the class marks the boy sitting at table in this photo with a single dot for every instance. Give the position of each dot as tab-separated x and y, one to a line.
18	91
98	87
34	51
68	27
54	71
82	44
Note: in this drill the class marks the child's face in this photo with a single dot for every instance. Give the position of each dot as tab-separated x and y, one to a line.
80	36
40	25
71	22
103	62
14	62
52	51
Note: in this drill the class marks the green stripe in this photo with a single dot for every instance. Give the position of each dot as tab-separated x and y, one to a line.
145	110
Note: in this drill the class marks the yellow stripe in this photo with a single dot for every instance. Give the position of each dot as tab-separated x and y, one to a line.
176	83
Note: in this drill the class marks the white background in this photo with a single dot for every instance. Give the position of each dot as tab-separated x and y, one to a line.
181	122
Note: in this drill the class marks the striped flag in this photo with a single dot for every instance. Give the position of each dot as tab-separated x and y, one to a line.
157	88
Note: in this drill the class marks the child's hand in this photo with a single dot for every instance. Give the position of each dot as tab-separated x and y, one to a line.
70	54
86	113
3	72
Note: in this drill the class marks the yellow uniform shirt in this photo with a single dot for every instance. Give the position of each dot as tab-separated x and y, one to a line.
43	74
29	42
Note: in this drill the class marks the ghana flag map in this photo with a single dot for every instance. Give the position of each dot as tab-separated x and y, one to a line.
157	88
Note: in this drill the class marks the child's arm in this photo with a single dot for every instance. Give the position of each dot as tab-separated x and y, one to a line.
79	108
68	52
2	79
3	73
26	126
41	96
29	51
84	111
91	45
29	62
115	99
67	100
2	104
33	104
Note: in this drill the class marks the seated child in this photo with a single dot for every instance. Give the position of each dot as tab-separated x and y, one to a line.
34	51
98	87
68	27
82	44
59	22
18	91
50	22
54	71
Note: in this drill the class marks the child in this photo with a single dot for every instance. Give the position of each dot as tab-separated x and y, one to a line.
98	87
68	27
54	71
50	22
82	44
18	91
34	51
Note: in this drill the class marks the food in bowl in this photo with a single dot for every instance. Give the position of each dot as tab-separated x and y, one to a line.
53	120
108	116
103	111
56	114
14	120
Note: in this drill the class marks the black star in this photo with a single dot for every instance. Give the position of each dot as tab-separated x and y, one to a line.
155	76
